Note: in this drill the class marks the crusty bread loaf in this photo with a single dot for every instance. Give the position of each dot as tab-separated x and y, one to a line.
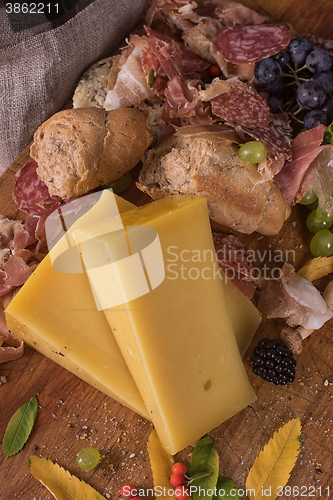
80	149
237	196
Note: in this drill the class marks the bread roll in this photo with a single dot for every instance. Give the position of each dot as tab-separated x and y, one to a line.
208	165
80	149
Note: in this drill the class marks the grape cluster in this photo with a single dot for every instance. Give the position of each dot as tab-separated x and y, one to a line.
299	81
319	222
273	362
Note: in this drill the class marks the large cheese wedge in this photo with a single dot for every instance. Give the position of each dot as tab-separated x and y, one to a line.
55	313
174	333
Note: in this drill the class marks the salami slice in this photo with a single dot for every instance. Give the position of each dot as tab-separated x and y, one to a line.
31	194
276	137
251	43
235	261
241	105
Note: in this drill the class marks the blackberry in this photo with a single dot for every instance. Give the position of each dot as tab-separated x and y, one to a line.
273	361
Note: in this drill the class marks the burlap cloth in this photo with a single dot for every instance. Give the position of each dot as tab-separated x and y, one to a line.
42	59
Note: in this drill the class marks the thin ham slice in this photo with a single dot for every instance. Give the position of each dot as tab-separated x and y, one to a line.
293	298
183	14
20	245
305	149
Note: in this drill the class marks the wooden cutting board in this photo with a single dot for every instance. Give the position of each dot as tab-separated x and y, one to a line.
73	415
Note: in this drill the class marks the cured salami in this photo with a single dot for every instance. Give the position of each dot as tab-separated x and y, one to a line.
251	43
276	137
31	194
241	105
234	259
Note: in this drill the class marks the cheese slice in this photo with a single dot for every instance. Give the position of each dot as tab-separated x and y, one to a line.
177	338
55	313
244	316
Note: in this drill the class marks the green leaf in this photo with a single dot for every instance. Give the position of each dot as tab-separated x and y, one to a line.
226	489
19	427
204	469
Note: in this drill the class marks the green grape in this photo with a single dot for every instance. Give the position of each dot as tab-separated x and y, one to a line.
312	206
121	184
252	152
324	216
321	244
88	458
308	198
314	224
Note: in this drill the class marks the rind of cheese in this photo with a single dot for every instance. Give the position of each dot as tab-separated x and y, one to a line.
55	313
178	339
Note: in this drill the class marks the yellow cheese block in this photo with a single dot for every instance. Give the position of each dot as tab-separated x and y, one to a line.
55	313
174	330
244	316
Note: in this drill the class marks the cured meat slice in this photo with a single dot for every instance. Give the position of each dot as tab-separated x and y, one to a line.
276	136
234	259
31	194
251	43
305	148
241	105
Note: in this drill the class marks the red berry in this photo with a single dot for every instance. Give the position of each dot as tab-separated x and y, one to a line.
214	71
179	468
128	490
136	498
176	480
182	493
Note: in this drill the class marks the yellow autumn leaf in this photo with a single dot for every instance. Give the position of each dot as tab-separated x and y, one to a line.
317	268
271	469
60	482
161	463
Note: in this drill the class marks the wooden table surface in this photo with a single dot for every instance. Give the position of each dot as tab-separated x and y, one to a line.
73	415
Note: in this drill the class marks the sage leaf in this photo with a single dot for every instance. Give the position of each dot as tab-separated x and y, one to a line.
226	489
204	469
19	427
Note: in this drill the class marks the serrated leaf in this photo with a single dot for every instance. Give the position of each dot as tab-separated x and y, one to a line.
317	268
60	483
19	427
205	467
271	469
226	489
161	464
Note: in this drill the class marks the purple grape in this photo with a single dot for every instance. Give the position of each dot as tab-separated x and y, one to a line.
274	103
301	43
314	118
326	79
318	60
282	58
299	49
267	71
327	108
310	95
275	88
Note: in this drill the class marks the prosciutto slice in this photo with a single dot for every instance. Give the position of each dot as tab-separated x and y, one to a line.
20	245
183	14
305	149
293	298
